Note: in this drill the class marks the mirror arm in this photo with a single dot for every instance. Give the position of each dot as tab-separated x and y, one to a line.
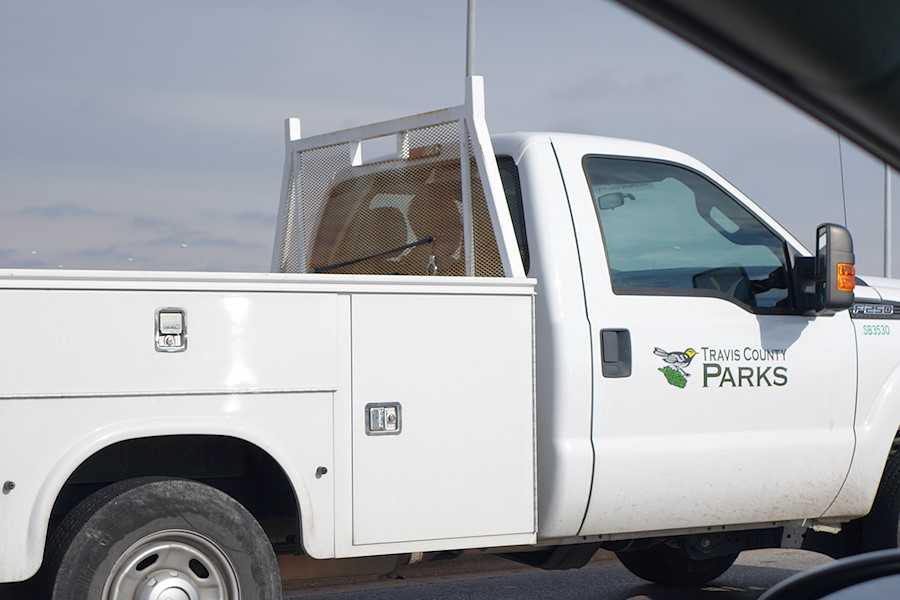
805	283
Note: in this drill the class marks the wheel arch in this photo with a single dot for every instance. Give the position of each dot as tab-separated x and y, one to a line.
90	462
233	465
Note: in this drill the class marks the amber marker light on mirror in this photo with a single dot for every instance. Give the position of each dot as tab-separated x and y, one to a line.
846	277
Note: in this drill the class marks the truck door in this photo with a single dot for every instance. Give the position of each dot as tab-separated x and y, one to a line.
715	400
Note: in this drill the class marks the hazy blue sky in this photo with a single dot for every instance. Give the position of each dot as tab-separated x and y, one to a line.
131	129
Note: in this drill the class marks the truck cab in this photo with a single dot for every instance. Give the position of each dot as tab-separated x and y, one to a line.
679	363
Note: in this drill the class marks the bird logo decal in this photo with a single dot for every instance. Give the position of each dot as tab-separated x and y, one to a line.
676	362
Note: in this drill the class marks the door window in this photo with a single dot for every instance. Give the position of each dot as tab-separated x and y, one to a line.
668	230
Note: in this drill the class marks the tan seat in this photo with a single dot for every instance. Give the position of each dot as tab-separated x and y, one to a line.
436	214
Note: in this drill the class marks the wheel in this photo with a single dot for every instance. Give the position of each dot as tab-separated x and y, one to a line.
669	565
881	527
160	539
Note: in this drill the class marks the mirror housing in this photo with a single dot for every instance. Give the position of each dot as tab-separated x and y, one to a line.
835	273
613	200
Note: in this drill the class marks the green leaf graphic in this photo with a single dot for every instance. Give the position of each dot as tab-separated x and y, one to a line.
674	377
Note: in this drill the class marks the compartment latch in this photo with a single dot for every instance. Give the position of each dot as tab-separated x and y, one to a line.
171	330
383	419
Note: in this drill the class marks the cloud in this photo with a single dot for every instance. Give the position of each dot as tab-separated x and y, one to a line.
111	256
195	239
144	222
63	210
256	218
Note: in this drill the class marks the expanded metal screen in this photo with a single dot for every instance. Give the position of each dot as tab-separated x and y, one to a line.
403	215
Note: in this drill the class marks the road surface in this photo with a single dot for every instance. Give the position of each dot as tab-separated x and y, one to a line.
476	577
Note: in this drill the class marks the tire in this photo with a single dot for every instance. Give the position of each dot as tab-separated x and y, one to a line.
139	538
669	565
881	527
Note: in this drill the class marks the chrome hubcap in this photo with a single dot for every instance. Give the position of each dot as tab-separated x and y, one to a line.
172	565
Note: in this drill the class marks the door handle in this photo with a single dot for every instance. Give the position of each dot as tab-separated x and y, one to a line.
615	352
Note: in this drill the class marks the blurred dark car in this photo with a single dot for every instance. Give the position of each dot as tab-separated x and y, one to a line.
837	59
871	576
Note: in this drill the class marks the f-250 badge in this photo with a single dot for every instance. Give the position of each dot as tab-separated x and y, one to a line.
676	362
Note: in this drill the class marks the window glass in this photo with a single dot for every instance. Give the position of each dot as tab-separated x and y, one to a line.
668	228
395	221
509	175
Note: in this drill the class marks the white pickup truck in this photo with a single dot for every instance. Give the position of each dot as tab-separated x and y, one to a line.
541	344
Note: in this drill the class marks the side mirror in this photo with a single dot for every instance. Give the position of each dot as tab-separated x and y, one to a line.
835	273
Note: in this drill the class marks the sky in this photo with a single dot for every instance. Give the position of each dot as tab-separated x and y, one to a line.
150	136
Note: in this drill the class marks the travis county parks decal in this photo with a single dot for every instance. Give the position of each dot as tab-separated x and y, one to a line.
729	367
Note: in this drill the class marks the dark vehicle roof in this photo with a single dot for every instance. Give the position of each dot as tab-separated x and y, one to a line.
838	60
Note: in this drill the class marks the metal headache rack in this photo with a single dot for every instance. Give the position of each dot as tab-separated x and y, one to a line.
429	207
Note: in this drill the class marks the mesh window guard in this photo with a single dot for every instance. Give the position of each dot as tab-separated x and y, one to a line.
419	210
